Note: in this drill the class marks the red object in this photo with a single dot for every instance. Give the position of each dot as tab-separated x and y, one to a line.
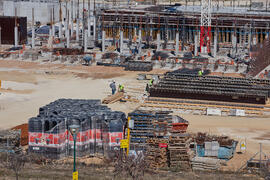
179	127
162	145
205	38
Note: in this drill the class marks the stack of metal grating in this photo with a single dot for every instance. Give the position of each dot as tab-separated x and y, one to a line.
178	85
152	124
152	134
100	129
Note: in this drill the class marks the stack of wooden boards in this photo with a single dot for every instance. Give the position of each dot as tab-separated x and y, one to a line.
204	163
179	151
113	98
157	153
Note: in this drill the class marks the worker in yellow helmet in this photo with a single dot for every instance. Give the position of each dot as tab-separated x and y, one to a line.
121	88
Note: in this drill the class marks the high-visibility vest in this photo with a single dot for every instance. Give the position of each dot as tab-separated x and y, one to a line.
200	73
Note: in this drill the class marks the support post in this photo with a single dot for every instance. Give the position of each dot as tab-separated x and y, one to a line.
85	40
16	35
89	26
234	44
77	30
103	41
140	41
196	44
215	43
33	29
158	41
177	43
121	41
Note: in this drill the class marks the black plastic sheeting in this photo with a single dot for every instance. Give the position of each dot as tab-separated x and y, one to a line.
96	122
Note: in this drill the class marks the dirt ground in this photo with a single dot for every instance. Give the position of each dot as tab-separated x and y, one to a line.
26	86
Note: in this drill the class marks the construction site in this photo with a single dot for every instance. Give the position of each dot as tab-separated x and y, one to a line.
137	89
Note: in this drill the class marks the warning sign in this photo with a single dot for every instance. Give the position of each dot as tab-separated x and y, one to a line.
124	143
243	146
75	175
162	145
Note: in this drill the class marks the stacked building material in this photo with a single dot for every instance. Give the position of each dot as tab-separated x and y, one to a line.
24	133
205	164
156	153
138	66
221	147
149	124
178	85
100	129
162	136
179	152
10	141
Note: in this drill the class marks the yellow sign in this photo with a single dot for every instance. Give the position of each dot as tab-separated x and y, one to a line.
75	175
124	143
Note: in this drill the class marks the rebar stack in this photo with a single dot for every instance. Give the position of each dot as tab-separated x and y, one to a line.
176	85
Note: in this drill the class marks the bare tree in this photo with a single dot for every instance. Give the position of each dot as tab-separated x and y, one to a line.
14	162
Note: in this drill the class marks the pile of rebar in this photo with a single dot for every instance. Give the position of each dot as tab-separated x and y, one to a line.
244	90
138	66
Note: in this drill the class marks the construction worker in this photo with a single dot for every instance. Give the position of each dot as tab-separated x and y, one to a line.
200	73
120	88
147	88
113	87
151	82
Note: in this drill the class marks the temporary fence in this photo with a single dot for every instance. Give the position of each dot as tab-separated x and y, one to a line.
100	129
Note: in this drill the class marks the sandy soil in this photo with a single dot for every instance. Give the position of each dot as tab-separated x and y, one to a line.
28	86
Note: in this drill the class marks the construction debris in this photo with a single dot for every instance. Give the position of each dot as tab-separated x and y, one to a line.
205	164
10	141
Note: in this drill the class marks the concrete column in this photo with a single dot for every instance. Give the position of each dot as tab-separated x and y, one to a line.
53	30
234	44
103	40
254	40
85	40
94	28
249	40
196	44
121	41
68	38
77	30
16	36
158	41
215	43
71	26
151	31
66	27
140	42
89	26
33	37
177	43
60	30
